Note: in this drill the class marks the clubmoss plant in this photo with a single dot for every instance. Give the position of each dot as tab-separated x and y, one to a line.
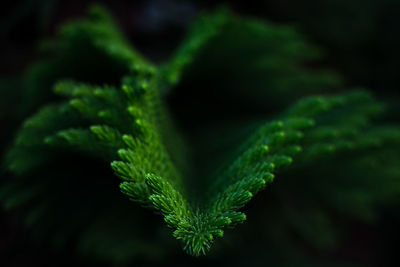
101	105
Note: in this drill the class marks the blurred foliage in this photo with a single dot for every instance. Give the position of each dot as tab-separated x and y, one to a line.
360	35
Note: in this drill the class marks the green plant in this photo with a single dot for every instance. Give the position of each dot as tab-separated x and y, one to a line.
329	148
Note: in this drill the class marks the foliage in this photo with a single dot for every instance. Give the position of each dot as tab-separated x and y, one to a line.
329	153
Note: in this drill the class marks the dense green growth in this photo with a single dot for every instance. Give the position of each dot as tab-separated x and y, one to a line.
108	105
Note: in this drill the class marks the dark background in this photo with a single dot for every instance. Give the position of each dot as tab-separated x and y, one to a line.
360	38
